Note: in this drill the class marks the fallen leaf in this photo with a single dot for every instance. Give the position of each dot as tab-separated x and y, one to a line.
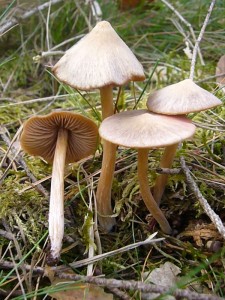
66	290
165	275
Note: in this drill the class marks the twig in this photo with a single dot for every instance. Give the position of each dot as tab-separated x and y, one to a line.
82	12
15	21
198	41
168	171
20	161
187	24
96	258
195	190
123	284
211	77
120	294
18	275
96	11
50	53
12	237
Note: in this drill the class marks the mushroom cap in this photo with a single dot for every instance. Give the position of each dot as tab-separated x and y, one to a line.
99	59
144	129
181	98
220	69
40	134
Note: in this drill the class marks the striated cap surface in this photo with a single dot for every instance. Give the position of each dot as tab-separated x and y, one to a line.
181	98
144	129
99	59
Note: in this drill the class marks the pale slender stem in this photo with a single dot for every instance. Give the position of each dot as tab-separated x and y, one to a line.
161	180
103	194
107	101
146	193
56	210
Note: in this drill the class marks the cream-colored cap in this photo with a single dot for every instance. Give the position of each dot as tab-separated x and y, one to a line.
181	98
144	129
99	59
40	134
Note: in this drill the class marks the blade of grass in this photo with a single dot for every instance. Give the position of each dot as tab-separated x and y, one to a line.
147	83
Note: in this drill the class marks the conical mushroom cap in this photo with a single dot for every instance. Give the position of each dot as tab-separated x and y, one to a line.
99	59
181	98
40	134
144	129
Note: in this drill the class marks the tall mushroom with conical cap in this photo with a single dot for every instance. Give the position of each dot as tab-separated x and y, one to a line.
180	98
143	130
60	137
101	60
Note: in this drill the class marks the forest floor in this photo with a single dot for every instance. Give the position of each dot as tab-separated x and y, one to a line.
191	261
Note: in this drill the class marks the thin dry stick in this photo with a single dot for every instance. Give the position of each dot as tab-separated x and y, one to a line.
120	294
15	21
123	284
187	24
198	41
193	186
12	237
20	161
20	280
96	258
195	190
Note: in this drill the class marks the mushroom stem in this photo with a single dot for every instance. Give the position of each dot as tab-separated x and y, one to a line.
106	93
56	210
161	180
103	194
146	193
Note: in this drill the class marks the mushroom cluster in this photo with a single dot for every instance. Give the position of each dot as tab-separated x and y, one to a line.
101	60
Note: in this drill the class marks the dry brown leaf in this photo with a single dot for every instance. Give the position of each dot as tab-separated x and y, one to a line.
78	291
201	233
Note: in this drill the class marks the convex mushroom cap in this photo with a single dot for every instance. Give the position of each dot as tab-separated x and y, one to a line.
99	59
181	98
40	134
144	129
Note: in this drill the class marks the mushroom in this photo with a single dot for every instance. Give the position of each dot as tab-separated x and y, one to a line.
142	130
181	98
177	99
59	137
220	72
101	60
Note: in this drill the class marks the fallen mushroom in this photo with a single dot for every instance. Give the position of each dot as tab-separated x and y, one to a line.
101	60
60	137
142	130
180	98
